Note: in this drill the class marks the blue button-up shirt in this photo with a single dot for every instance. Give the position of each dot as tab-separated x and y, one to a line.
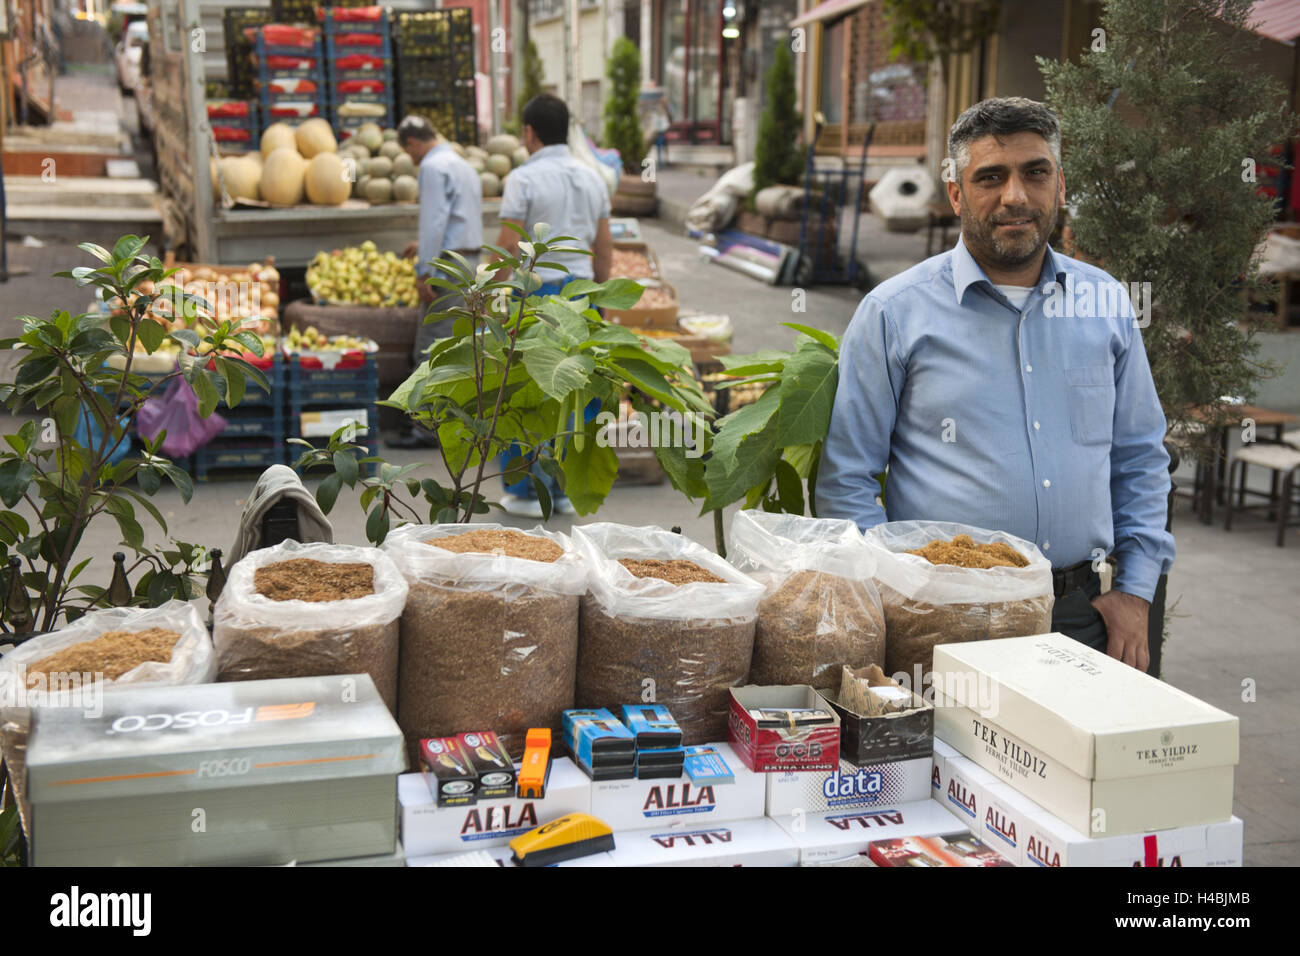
1041	422
451	206
555	188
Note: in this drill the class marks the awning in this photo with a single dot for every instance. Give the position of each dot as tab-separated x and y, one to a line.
1276	19
828	9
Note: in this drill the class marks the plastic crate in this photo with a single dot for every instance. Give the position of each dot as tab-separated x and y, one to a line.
348	68
254	397
345	126
370	438
336	50
450	121
331	388
236	457
240	71
256	422
335	20
435	31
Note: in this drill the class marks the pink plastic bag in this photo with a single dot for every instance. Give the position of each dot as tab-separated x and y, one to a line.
178	412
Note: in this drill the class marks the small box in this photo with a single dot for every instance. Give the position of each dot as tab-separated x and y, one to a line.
653	726
428	828
596	739
867	740
809	746
448	771
757	842
660	763
817	791
636	804
496	771
705	765
946	850
834	836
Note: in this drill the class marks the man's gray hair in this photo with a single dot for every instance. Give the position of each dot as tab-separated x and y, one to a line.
1000	117
415	127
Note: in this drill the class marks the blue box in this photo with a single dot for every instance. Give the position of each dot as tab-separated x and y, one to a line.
596	738
653	726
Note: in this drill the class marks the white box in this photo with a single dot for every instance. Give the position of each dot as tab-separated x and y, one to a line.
942	752
1092	714
1028	835
757	842
819	791
834	836
505	857
637	804
1107	807
430	829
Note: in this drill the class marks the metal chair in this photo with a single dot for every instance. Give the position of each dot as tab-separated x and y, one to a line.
1280	458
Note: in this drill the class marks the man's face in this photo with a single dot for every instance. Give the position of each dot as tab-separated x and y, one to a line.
1008	199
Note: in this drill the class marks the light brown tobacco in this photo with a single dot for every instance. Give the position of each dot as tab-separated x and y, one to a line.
513	544
677	571
302	579
962	552
111	654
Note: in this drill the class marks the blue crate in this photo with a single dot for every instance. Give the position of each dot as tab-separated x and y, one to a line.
332	388
384	73
263	49
335	50
370	438
332	25
254	397
349	124
335	99
252	423
236	456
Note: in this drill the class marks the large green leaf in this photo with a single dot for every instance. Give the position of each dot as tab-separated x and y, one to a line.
817	335
807	393
206	392
751	464
589	474
747	420
757	363
558	374
789	487
614	294
15	476
571	326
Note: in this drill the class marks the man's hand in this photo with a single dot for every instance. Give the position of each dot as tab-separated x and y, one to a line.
1126	625
424	290
411	251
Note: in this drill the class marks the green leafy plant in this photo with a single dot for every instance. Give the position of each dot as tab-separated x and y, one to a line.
767	453
1159	128
777	157
76	372
622	123
532	84
519	370
10	837
925	30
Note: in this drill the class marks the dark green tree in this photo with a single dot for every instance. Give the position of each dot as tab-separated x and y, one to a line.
777	157
1164	123
622	123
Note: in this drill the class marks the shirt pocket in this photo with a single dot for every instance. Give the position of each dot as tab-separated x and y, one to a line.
1091	395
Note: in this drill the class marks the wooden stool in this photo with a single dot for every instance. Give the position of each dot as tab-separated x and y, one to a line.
1281	459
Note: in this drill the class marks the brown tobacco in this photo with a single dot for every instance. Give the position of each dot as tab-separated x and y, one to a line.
962	552
302	579
677	571
112	654
513	544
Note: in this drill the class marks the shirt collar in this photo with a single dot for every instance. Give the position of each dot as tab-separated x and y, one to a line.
555	149
966	272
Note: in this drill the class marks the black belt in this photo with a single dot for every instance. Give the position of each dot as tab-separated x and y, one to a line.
1075	577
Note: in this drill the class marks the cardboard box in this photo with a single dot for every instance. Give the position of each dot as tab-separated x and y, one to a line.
643	247
637	804
765	749
491	762
868	740
1037	838
448	771
1107	807
1092	714
428	828
819	791
946	850
757	842
833	836
654	317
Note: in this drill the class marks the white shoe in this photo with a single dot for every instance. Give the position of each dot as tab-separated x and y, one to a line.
562	505
521	507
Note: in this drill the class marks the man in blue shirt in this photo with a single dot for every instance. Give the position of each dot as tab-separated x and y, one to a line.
1006	386
451	219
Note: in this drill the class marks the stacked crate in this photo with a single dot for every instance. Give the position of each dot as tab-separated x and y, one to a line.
235	124
435	70
253	438
359	54
241	69
290	73
334	390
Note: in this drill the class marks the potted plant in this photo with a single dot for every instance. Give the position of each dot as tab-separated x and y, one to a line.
636	184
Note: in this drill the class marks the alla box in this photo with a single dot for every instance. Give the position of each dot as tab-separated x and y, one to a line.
960	849
824	838
764	749
848	787
758	842
640	803
431	829
1028	835
1097	717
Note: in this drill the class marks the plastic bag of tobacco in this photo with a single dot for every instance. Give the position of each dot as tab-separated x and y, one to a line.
121	645
664	621
821	610
310	610
490	630
997	586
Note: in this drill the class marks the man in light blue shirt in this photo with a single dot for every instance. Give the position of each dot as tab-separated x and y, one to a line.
1006	386
451	220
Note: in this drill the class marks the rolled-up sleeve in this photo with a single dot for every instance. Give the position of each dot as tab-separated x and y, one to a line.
856	450
435	208
1139	476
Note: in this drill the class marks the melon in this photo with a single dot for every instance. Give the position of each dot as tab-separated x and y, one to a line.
502	145
315	137
243	177
282	177
278	136
390	149
460	150
491	184
379	190
379	167
389	134
479	164
326	180
478	151
519	156
404	166
359	189
212	177
406	188
496	163
370	137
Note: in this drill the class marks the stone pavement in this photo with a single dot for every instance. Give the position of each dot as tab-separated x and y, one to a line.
1232	595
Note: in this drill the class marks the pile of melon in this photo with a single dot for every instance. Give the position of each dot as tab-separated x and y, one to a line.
295	165
384	173
494	163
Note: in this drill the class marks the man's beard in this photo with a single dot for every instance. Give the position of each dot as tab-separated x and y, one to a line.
985	241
